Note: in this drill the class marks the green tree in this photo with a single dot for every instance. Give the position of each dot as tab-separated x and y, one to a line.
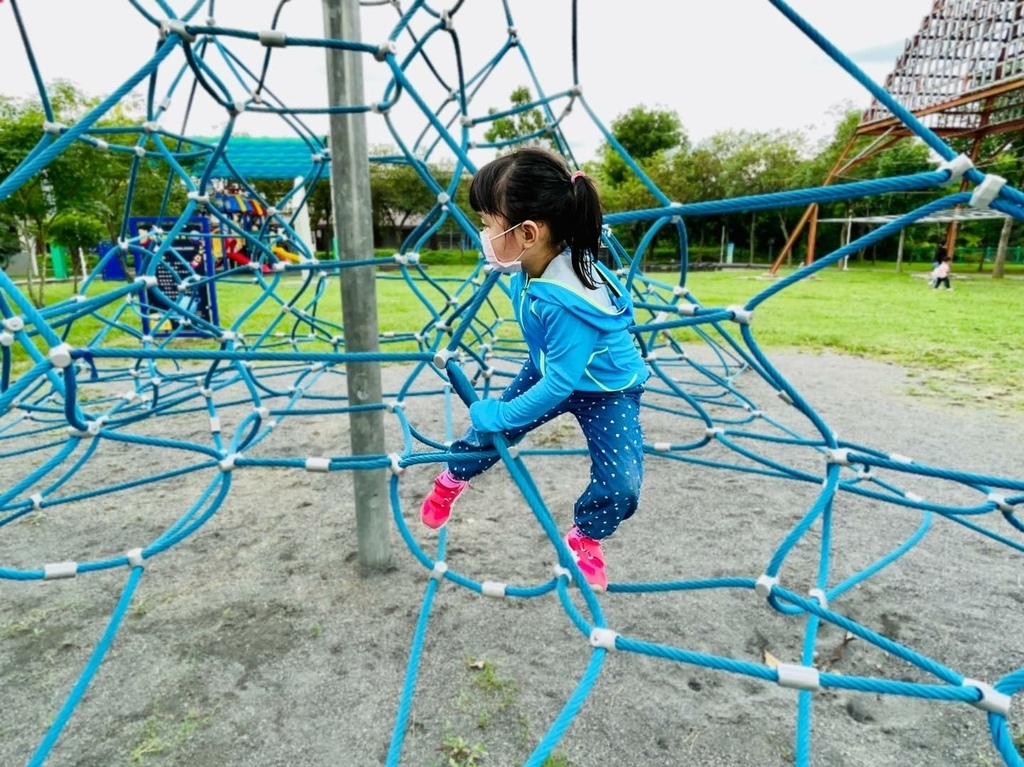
81	179
76	232
751	163
644	132
65	184
399	195
157	191
653	138
648	136
520	124
906	156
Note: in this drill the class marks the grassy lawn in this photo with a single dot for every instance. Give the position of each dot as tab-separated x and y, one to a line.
963	346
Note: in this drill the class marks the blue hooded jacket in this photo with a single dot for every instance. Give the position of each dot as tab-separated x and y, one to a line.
576	344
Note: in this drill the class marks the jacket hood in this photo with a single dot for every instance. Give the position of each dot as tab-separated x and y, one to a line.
619	316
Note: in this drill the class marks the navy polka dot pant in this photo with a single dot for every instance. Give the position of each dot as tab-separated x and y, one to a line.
611	424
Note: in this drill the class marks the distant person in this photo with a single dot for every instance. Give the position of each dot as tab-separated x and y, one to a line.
543	223
940	274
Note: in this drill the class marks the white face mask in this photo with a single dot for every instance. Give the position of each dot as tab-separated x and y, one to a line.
508	267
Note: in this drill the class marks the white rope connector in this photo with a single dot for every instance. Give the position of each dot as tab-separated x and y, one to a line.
53	129
318	464
898	458
102	145
679	290
562	572
957	167
60	355
147	280
203	199
37	501
603	638
228	335
14	324
784	396
384	49
91	430
177	27
140	151
840	455
798	677
442	356
687	309
443	198
765	584
6	339
396	464
466	121
819	595
513	451
272	38
1000	502
662	447
713	431
991	699
58	570
987	191
214	425
493	589
440	568
228	463
913	497
262	411
740	315
135	558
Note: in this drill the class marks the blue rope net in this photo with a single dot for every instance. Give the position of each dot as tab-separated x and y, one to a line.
156	357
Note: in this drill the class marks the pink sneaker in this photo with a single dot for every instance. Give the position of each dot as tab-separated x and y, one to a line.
589	558
437	506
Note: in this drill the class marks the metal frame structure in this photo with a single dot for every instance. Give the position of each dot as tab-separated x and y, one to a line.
962	75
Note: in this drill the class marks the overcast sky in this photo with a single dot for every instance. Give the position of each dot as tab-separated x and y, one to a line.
719	64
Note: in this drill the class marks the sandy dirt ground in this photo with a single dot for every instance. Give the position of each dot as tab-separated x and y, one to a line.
258	640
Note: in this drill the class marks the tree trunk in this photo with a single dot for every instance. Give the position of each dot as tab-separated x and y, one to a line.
783	227
999	266
785	238
40	260
753	226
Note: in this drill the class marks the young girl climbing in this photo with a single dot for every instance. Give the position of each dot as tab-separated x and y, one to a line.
543	225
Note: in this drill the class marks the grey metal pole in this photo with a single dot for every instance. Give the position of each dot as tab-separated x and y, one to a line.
353	227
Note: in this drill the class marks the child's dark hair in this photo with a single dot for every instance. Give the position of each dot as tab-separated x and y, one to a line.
532	184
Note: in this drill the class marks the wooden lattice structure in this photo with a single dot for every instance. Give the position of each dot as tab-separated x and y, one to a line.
962	75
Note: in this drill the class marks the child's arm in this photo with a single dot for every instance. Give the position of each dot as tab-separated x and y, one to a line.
570	344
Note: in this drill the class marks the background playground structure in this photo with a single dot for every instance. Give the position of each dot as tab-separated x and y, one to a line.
184	500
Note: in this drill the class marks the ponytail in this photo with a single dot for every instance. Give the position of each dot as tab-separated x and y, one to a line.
584	235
